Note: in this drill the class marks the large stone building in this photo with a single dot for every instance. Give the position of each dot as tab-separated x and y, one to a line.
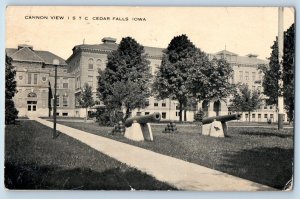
35	71
34	74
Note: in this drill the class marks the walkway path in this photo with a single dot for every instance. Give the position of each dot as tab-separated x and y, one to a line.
176	172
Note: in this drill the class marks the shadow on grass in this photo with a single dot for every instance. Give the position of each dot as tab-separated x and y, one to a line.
263	134
53	177
269	166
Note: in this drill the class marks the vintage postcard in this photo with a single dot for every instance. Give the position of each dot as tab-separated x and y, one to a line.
149	98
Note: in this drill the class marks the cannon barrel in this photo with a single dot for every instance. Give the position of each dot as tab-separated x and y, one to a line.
222	118
154	117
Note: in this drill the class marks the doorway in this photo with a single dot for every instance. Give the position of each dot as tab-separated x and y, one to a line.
217	107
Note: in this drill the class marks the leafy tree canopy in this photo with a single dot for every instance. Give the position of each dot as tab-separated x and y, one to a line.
271	73
126	78
245	100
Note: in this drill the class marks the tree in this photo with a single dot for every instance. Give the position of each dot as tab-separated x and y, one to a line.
11	113
172	76
211	81
125	81
245	100
86	99
186	72
271	73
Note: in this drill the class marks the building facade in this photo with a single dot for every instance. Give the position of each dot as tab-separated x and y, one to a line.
35	82
35	72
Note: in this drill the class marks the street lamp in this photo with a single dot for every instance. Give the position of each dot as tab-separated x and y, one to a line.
55	64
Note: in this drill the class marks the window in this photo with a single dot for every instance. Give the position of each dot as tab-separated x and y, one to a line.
246	75
65	101
253	76
91	64
20	77
29	78
64	114
155	103
147	102
31	94
241	75
44	79
65	85
163	115
265	107
177	107
253	115
259	116
90	80
57	114
57	100
266	116
271	107
163	104
246	116
35	78
98	63
147	113
271	115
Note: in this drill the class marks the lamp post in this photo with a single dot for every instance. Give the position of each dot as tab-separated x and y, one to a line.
55	64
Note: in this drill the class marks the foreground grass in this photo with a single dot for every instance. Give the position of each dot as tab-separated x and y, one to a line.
33	160
258	154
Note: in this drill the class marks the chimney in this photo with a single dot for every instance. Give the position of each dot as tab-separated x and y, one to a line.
109	40
252	55
20	46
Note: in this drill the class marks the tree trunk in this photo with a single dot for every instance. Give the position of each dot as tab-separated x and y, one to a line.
249	116
180	111
185	114
127	114
85	119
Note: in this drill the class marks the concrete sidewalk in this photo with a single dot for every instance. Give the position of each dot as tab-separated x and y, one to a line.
178	173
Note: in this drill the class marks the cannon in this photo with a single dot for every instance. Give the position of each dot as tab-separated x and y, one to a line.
154	117
216	126
138	127
222	118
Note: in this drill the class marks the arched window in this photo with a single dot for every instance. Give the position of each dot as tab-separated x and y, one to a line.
31	94
91	63
98	63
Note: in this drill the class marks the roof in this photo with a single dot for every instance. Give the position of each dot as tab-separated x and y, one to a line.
250	59
28	55
108	47
226	52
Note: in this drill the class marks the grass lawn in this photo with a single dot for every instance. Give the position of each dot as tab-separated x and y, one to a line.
258	154
33	160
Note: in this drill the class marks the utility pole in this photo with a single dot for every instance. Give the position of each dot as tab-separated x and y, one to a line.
280	71
55	63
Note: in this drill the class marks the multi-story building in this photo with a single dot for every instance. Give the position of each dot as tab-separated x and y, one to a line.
35	81
35	72
246	71
87	59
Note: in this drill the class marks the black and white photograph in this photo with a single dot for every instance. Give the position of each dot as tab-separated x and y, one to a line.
149	98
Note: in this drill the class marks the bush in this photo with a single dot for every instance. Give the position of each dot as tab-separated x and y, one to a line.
106	117
11	113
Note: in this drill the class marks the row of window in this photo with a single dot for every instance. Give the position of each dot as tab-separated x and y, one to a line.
246	77
259	116
163	114
91	63
163	104
64	101
32	78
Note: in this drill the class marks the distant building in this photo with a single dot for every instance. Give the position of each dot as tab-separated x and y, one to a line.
34	74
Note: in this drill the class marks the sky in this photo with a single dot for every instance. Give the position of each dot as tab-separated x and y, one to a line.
241	30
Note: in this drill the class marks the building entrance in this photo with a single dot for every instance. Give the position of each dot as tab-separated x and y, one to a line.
31	106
